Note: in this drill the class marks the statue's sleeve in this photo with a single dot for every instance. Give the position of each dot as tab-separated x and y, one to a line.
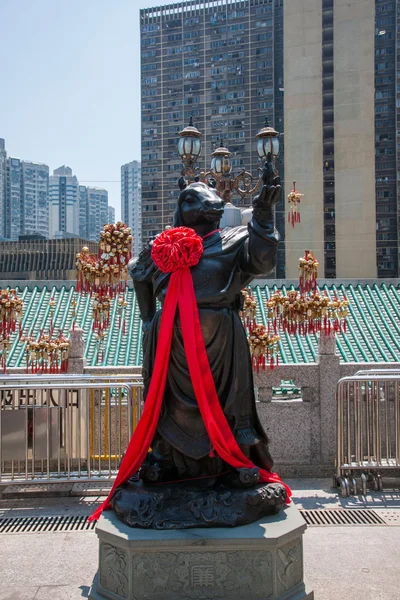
142	270
259	252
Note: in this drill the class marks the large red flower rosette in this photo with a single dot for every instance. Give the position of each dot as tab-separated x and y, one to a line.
177	248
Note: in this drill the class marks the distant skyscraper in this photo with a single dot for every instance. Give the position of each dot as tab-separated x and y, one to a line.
35	199
93	212
83	213
131	202
111	214
13	199
97	207
25	208
64	202
3	184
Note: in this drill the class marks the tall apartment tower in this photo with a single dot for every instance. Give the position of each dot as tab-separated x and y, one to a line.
131	204
35	199
93	212
83	213
221	63
97	207
111	214
64	203
3	184
25	207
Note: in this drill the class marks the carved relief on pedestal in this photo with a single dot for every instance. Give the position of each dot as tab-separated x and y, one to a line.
114	570
289	566
203	575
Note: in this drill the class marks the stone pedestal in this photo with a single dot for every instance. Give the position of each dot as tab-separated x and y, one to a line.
261	561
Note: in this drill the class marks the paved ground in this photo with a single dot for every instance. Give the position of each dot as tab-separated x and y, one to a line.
352	563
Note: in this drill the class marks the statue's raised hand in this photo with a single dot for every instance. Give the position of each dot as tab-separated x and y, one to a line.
269	196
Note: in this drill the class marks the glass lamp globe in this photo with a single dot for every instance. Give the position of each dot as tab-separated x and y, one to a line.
267	142
189	145
220	162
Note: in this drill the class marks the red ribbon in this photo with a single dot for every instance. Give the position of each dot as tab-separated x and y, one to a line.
181	295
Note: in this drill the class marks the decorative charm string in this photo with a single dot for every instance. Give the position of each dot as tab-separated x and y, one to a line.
294	199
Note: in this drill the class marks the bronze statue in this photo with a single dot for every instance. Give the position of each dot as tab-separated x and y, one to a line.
183	482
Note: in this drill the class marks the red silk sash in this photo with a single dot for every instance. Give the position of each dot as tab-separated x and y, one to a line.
181	295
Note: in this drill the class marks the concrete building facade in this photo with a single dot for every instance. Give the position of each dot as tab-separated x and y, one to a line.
131	203
341	133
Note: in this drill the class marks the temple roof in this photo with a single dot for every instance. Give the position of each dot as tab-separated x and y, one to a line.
373	330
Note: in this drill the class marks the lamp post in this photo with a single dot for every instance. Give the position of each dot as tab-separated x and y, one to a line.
220	173
189	148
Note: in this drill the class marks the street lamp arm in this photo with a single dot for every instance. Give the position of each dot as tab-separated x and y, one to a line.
247	179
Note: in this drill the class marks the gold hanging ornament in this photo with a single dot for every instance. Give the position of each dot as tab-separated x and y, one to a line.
48	354
10	313
307	311
249	309
263	346
294	199
308	272
106	273
101	308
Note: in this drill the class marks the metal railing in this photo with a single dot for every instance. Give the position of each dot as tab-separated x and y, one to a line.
368	428
66	427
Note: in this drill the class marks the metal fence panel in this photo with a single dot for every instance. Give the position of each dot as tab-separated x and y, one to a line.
55	428
368	428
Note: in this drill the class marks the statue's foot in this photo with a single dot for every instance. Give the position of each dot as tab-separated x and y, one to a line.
156	473
242	478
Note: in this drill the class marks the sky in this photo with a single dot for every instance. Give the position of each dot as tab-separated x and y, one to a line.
70	85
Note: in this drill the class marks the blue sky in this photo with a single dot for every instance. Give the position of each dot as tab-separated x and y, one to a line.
70	85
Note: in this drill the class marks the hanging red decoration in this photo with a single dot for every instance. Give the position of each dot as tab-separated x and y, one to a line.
101	307
294	205
307	311
48	354
104	277
10	315
263	347
10	312
106	273
249	309
308	272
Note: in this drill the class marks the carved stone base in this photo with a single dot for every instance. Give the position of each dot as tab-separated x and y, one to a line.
261	561
177	506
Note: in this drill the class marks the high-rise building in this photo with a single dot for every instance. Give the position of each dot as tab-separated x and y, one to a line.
25	207
3	184
326	73
13	203
93	212
35	199
97	203
64	203
111	214
83	212
131	204
222	63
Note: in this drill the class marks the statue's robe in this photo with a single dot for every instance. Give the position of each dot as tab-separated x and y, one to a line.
231	259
